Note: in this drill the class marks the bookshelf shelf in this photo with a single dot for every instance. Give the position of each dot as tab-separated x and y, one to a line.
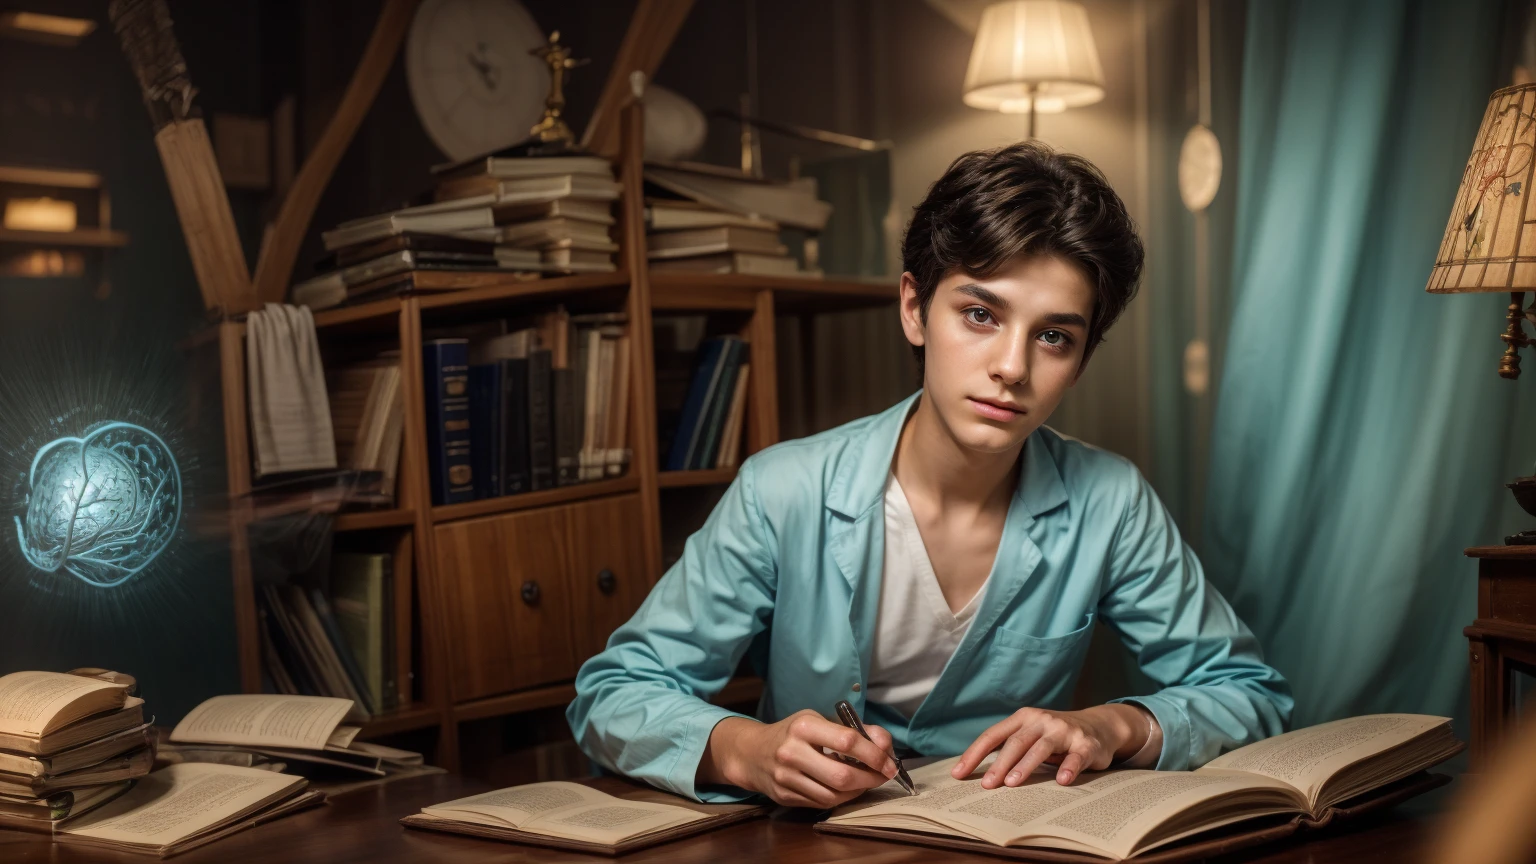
93	237
367	520
485	291
533	699
530	500
404	719
618	528
681	479
379	311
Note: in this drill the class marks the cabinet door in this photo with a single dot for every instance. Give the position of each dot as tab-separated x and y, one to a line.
607	569
507	602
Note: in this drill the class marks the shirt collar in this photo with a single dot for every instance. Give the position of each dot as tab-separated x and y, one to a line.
859	481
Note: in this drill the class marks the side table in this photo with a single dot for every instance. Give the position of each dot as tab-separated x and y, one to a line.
1501	642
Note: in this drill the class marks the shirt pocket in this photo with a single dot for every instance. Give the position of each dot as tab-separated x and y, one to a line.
1037	670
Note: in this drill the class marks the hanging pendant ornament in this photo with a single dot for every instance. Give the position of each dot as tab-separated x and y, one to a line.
1199	168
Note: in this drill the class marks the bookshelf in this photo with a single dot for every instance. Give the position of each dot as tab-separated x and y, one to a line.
486	644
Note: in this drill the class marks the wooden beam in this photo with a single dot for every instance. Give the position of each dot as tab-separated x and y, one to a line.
651	31
274	266
197	189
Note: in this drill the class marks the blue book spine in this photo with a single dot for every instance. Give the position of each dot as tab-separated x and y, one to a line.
445	378
485	428
719	405
693	406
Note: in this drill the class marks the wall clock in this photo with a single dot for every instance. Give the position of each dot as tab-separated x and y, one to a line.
475	86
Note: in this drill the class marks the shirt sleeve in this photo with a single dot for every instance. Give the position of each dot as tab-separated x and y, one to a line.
1218	693
639	707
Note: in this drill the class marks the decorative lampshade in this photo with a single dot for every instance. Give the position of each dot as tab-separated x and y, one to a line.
1033	54
1490	240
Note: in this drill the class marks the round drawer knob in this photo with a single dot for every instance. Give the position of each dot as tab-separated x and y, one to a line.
607	582
531	593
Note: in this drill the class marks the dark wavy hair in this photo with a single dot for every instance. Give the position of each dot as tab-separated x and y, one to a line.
992	206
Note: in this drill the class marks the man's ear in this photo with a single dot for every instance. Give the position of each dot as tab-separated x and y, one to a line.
911	311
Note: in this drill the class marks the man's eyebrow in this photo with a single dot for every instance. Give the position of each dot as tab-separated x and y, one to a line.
971	289
1067	319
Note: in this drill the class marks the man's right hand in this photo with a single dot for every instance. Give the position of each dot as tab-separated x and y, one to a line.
784	760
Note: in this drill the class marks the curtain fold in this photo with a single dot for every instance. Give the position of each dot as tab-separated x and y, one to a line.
1361	433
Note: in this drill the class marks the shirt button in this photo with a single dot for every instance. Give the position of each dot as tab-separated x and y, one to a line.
856	687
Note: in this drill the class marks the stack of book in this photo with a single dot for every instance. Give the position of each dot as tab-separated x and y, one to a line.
558	207
524	215
707	219
303	732
69	743
339	644
366	417
708	430
539	404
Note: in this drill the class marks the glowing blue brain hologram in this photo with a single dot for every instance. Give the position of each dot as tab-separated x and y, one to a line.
103	506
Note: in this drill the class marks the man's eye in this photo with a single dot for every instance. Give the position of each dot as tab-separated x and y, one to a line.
977	315
1054	337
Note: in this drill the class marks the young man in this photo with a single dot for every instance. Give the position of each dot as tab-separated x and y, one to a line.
941	565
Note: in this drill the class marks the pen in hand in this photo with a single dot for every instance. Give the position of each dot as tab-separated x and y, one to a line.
849	718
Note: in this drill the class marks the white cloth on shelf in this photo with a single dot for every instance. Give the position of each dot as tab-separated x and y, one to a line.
290	414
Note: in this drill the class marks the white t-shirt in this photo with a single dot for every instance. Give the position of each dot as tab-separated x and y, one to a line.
916	634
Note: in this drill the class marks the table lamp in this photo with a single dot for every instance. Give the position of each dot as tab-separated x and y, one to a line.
1033	55
1490	240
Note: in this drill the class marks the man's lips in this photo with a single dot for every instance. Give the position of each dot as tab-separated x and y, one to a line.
996	410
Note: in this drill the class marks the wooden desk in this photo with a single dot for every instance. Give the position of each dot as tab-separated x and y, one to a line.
1502	641
361	827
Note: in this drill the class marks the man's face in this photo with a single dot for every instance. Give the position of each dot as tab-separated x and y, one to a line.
999	353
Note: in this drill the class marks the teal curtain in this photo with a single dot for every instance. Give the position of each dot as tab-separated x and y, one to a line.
1361	433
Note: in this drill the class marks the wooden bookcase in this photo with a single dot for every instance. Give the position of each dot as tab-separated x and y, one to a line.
593	550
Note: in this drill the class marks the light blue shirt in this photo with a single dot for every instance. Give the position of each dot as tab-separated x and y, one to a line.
787	570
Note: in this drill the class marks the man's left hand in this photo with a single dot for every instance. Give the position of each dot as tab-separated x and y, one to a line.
1089	739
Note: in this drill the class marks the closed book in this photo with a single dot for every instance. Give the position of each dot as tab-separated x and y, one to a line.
339	645
468	218
547	232
794	203
730	440
75	758
508	167
81	731
566	391
725	238
600	212
516	475
360	600
579	260
485	428
719	406
541	419
661	215
349	255
735	262
126	766
530	189
445	378
704	373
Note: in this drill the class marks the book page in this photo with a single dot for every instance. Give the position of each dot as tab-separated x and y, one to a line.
568	810
514	806
180	801
259	720
1306	758
29	701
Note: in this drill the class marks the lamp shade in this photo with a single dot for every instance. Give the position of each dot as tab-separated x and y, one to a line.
1490	240
1033	50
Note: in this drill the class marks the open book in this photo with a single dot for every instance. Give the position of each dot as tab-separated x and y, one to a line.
1121	814
37	708
578	816
183	806
292	728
